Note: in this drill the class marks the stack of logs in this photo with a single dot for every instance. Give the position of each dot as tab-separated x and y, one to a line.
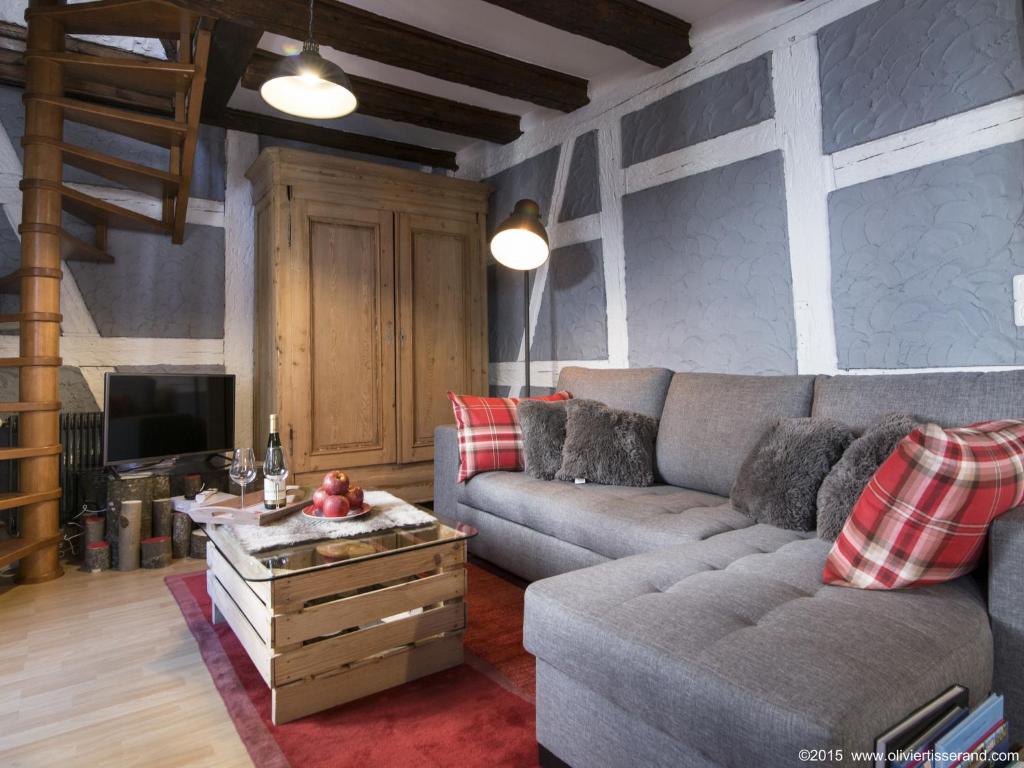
140	528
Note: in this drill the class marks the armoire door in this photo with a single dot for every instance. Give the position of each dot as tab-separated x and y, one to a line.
350	311
438	295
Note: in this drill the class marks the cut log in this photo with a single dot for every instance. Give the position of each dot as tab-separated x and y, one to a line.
181	530
129	525
193	485
156	552
93	529
197	547
139	488
97	557
162	511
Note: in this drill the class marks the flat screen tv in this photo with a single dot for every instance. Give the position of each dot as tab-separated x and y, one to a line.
151	417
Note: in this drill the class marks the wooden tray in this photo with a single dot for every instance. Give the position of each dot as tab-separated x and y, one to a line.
230	512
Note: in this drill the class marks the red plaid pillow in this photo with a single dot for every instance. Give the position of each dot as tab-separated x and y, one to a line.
924	516
489	435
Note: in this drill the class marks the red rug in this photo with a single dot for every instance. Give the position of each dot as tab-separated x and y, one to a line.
477	714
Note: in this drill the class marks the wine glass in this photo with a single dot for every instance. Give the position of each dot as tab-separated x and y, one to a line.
243	469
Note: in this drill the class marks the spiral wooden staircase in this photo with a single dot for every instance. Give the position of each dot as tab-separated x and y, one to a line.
45	242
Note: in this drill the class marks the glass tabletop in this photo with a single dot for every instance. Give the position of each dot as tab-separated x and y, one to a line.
330	553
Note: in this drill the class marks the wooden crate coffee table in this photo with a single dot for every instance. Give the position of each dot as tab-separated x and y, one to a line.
331	621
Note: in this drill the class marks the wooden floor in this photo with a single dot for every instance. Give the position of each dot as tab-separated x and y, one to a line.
101	670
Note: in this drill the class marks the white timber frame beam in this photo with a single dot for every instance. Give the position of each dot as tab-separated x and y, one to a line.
240	152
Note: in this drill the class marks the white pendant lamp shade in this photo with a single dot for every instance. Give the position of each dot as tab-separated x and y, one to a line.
521	242
307	85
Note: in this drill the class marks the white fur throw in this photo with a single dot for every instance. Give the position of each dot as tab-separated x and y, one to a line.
388	512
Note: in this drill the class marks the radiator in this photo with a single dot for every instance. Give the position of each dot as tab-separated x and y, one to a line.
81	434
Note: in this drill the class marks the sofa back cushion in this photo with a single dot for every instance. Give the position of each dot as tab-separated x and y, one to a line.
641	390
711	422
949	399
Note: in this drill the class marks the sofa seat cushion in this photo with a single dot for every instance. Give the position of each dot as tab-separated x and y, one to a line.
611	520
734	645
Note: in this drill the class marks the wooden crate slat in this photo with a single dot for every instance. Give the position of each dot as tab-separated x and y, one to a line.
291	593
245	598
325	655
258	651
322	619
304	697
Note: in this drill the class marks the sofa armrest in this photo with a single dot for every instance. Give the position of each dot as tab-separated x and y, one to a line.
1006	611
446	472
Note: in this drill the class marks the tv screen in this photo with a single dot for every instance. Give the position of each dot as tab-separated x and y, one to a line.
158	416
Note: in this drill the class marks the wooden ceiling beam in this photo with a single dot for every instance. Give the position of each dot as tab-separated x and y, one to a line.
266	125
374	37
231	48
646	33
405	106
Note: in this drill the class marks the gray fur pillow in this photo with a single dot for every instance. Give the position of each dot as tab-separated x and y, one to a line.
605	445
779	480
543	425
849	477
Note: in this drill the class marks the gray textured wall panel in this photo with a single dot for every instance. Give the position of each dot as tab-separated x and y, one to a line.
155	289
504	312
708	282
898	64
573	319
10	260
923	261
75	395
583	187
208	173
533	178
737	98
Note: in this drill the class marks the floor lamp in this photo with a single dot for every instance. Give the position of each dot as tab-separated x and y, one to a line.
521	242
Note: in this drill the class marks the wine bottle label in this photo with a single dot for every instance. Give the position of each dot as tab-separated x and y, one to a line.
273	492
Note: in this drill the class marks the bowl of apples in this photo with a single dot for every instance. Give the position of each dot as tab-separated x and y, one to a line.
337	499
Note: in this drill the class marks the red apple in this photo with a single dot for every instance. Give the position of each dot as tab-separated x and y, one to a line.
335	483
336	506
355	498
319	497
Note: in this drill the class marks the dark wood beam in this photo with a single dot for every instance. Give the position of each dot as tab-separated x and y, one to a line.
366	34
404	106
231	47
647	33
266	125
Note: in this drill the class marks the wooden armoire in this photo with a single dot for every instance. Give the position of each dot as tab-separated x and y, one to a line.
371	303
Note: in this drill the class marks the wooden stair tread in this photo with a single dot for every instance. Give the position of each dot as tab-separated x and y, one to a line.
130	18
37	317
141	178
53	405
75	249
12	550
96	211
17	452
10	284
159	78
21	362
18	499
136	125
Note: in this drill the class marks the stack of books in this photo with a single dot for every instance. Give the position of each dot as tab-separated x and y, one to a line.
946	733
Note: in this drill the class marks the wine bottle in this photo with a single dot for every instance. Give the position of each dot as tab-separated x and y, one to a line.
275	469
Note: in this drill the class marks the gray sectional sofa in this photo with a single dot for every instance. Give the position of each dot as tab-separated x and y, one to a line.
671	631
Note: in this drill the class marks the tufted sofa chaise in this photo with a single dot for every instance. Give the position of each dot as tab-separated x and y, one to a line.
671	631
